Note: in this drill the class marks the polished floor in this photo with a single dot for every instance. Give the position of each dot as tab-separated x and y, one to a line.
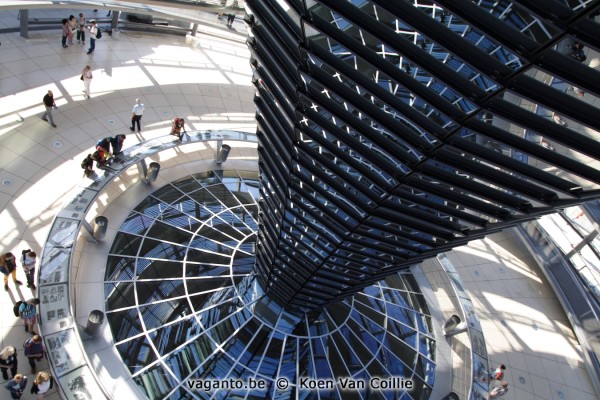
209	86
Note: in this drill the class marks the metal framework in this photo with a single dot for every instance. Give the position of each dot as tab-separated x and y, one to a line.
393	130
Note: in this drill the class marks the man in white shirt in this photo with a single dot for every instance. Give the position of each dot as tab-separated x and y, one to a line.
136	115
93	30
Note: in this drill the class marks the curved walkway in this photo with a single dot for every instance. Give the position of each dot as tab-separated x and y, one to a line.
210	86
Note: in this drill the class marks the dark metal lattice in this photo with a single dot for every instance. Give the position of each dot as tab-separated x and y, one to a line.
391	131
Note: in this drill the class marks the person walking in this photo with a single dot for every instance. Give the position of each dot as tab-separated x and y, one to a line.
41	384
16	386
49	104
8	361
28	260
72	28
8	267
87	76
34	351
136	115
81	29
27	311
92	30
65	32
230	19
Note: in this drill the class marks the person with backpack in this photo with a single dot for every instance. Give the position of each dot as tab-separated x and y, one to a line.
177	126
8	267
95	33
34	351
28	260
28	312
88	165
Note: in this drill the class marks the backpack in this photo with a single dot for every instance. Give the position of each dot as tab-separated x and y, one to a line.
104	143
16	308
23	253
84	163
99	34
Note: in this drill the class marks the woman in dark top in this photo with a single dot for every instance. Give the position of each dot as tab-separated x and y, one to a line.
8	360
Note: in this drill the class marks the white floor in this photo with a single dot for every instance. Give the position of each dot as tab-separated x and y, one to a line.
524	325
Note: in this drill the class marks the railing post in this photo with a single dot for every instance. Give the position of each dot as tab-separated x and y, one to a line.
24	23
114	25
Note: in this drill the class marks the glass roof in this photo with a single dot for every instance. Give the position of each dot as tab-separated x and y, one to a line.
185	309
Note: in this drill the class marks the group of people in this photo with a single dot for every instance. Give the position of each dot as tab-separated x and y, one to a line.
103	154
8	267
105	150
109	147
577	52
72	27
33	349
501	388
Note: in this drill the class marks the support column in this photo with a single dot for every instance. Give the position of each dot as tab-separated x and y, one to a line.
194	29
114	25
24	26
